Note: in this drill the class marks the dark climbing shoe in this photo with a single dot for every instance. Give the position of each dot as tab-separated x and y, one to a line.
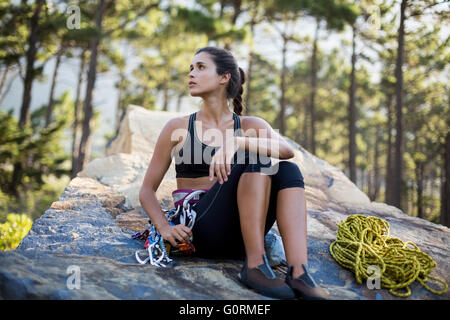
264	281
305	287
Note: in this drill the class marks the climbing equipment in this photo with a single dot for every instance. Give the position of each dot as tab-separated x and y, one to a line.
363	242
156	249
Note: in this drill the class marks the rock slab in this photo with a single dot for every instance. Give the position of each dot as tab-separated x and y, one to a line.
85	236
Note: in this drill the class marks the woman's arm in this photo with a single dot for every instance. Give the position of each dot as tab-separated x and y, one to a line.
159	164
259	137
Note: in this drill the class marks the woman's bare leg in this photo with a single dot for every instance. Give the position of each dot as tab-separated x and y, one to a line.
291	221
253	195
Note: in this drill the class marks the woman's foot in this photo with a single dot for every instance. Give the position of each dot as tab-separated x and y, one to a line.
263	280
305	287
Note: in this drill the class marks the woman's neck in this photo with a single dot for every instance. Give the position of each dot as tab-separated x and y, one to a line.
216	113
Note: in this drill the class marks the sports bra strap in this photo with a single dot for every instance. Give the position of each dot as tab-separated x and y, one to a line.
191	124
237	124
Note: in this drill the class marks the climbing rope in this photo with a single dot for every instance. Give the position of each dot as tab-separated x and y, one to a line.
156	248
363	242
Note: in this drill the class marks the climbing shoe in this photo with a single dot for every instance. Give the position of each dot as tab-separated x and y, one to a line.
264	281
305	287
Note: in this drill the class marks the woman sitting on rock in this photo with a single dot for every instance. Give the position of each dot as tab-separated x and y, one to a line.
245	193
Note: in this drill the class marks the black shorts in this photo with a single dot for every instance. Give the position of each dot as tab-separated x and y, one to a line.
217	231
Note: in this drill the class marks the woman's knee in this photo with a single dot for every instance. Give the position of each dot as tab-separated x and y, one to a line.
287	175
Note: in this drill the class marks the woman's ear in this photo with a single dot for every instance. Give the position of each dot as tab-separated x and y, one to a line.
225	78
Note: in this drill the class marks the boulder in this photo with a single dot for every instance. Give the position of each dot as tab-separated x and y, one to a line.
85	236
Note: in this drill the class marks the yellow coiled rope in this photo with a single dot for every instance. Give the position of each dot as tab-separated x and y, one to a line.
364	241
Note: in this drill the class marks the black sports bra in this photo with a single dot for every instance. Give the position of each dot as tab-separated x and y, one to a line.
195	164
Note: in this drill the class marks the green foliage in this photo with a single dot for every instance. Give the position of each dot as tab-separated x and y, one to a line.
33	203
38	149
263	90
13	230
336	13
197	21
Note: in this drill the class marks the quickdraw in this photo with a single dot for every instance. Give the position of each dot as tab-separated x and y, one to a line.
156	250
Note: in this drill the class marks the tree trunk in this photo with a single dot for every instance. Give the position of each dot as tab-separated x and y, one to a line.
283	88
297	129
248	108
85	143
248	91
51	100
222	6
398	161
77	116
445	193
352	113
419	181
363	181
3	79
179	100
236	10
166	96
388	180
8	86
376	166
305	137
312	106
119	99
25	116
33	40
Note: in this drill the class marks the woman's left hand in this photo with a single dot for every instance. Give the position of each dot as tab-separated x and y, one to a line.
221	161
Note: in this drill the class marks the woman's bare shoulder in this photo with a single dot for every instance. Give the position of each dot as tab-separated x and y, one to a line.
253	122
178	122
178	127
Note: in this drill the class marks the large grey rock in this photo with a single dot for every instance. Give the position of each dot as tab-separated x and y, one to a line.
91	224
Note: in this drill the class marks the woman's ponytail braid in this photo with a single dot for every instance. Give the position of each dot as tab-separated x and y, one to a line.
237	100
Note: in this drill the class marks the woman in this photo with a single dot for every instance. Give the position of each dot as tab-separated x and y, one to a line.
245	194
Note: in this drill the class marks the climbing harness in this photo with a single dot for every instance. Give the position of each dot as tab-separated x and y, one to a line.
156	250
363	242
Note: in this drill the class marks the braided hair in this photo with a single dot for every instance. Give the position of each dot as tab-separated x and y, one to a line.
226	63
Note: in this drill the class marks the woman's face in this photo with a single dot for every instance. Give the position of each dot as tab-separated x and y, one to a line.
204	76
